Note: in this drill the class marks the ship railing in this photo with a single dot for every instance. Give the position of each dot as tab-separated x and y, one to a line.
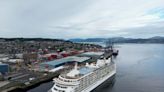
64	78
58	81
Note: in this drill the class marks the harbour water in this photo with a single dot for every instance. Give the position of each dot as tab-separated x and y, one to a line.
140	68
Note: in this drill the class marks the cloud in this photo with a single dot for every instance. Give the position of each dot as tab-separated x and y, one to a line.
76	18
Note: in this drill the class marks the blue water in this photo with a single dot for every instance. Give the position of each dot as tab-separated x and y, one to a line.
140	68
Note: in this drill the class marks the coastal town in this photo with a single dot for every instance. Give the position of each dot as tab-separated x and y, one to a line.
24	63
81	45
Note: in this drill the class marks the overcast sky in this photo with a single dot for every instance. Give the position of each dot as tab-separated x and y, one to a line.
81	18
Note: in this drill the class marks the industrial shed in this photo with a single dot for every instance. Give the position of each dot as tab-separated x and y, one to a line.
63	61
93	56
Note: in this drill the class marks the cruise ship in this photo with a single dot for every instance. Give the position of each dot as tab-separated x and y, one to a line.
85	78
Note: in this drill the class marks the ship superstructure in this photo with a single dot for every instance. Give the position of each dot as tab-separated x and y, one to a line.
85	78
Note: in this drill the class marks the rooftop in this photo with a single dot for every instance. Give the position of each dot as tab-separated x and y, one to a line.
3	63
93	53
67	59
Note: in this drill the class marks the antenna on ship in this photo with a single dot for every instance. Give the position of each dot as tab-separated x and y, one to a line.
109	45
110	48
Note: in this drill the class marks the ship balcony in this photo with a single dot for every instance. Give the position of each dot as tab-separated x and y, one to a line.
66	78
66	82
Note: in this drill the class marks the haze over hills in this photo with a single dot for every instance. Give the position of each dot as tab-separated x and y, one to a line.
156	39
30	39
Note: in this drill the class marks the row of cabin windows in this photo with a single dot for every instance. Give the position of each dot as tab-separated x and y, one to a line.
59	90
66	80
61	86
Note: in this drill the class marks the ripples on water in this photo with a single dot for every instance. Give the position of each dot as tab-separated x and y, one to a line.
140	68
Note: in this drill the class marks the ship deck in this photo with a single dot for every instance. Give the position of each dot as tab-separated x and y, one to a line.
83	71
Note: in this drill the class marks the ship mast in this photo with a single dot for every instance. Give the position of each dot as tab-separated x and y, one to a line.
109	47
109	44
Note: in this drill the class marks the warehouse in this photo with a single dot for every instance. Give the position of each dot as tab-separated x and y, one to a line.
92	54
63	61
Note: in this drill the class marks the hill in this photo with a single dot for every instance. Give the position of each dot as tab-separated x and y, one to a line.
156	39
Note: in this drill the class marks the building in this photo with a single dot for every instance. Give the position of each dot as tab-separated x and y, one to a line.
30	57
59	62
4	68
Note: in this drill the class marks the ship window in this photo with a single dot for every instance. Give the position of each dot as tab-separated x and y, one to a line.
61	91
61	86
55	89
68	81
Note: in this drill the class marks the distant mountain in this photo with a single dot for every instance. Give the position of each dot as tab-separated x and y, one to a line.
88	40
30	39
156	39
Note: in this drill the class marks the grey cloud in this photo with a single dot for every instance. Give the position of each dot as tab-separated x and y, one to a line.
72	18
32	17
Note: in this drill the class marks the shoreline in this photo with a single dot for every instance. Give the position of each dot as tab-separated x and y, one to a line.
21	87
